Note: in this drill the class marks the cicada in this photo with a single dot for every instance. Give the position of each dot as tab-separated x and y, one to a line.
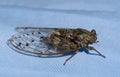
52	41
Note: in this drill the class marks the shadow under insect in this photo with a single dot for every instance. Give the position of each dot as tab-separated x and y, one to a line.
87	51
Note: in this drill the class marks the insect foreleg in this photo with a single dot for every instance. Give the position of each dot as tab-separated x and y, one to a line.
70	57
92	48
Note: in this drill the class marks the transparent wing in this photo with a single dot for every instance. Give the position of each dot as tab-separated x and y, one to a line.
30	41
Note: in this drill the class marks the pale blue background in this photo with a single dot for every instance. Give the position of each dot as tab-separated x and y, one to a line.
102	15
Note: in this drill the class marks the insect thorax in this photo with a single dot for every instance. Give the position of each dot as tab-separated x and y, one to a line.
69	38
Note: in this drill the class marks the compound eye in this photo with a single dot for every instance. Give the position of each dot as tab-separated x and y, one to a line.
93	31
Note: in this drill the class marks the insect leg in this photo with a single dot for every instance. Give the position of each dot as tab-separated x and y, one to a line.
92	48
70	57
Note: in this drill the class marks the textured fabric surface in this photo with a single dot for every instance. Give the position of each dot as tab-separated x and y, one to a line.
102	15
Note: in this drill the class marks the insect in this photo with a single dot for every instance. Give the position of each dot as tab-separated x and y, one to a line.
52	41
